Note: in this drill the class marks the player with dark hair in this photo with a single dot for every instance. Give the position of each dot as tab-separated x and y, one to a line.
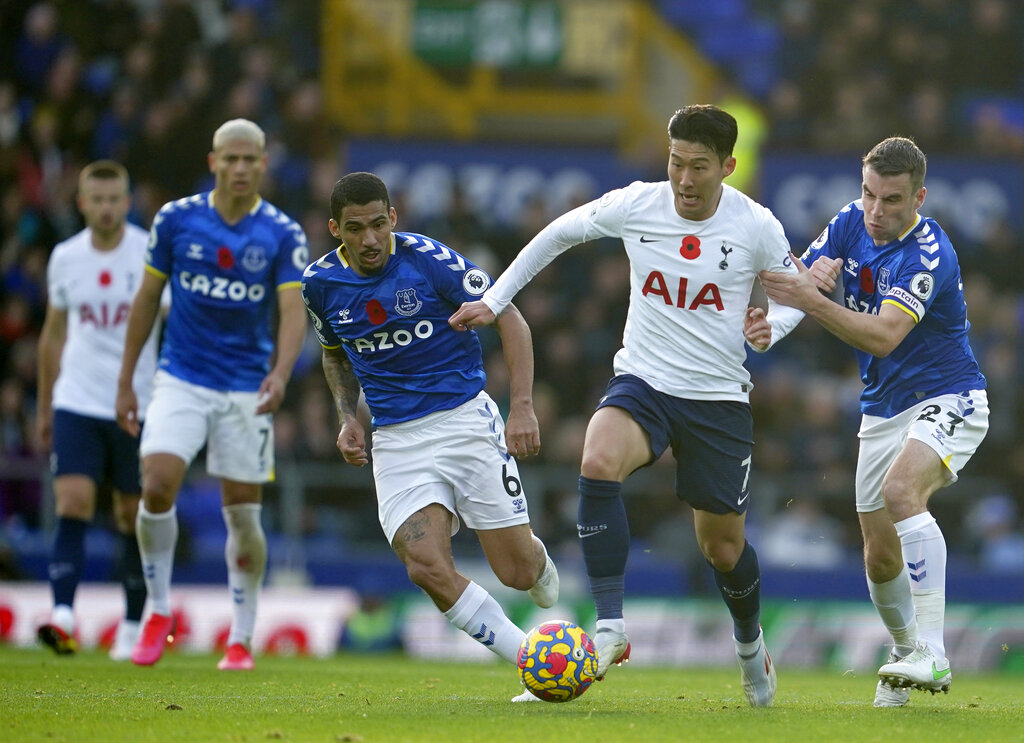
230	258
441	452
695	246
924	404
92	278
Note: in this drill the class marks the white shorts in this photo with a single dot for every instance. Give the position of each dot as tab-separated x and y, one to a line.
952	425
182	417
453	457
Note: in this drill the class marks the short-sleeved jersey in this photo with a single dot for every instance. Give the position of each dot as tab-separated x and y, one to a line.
919	273
96	288
394	326
224	280
690	283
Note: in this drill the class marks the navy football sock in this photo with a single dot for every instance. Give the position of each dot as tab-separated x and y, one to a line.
741	590
68	560
604	538
132	578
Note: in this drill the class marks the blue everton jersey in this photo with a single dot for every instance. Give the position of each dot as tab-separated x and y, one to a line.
224	281
919	273
394	326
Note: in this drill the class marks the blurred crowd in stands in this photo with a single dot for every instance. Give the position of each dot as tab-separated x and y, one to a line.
147	81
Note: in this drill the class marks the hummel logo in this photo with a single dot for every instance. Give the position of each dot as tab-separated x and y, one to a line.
643	239
937	674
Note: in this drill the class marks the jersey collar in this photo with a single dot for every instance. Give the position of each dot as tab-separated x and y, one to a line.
255	207
911	228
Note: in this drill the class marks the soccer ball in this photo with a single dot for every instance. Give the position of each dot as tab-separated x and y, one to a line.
557	662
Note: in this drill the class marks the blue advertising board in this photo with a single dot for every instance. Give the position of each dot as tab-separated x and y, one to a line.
497	180
966	195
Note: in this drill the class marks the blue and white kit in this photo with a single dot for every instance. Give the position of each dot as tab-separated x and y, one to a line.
224	280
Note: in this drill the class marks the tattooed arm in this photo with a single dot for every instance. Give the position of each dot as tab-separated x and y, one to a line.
345	391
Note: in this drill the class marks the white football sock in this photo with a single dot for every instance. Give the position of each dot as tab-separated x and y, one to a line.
895	605
63	616
246	555
924	552
157	534
478	615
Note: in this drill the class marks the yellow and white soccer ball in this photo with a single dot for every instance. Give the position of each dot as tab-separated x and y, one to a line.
557	661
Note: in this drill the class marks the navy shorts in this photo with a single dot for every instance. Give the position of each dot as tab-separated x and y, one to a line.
96	448
712	441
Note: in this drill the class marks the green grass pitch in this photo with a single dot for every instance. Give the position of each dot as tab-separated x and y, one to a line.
392	699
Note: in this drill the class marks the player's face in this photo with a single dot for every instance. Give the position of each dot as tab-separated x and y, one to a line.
238	167
104	204
890	204
365	231
696	175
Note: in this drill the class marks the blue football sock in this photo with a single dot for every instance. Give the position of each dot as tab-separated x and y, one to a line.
68	560
741	590
604	538
132	578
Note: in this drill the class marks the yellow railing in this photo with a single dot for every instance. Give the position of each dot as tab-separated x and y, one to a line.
620	72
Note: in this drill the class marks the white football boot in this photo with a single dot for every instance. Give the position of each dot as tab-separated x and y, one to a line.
757	672
922	669
526	696
612	649
887	696
124	640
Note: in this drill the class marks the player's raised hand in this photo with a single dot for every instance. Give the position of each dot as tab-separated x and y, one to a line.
126	407
471	315
352	443
756	329
825	272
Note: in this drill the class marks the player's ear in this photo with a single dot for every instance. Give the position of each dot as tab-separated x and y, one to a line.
728	166
335	229
211	158
393	215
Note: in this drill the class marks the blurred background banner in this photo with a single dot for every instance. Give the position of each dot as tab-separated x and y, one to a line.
821	634
966	196
497	180
487	119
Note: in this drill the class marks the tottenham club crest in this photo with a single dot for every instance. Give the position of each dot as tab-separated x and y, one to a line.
922	285
407	303
475	281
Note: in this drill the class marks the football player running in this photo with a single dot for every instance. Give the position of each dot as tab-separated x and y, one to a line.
695	246
924	404
230	258
380	304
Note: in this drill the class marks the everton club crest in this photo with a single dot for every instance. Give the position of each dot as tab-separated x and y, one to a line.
407	303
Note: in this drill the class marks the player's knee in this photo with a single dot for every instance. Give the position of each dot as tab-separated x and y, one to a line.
599	464
880	563
723	554
158	491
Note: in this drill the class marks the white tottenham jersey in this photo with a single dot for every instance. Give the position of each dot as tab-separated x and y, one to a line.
690	282
96	289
